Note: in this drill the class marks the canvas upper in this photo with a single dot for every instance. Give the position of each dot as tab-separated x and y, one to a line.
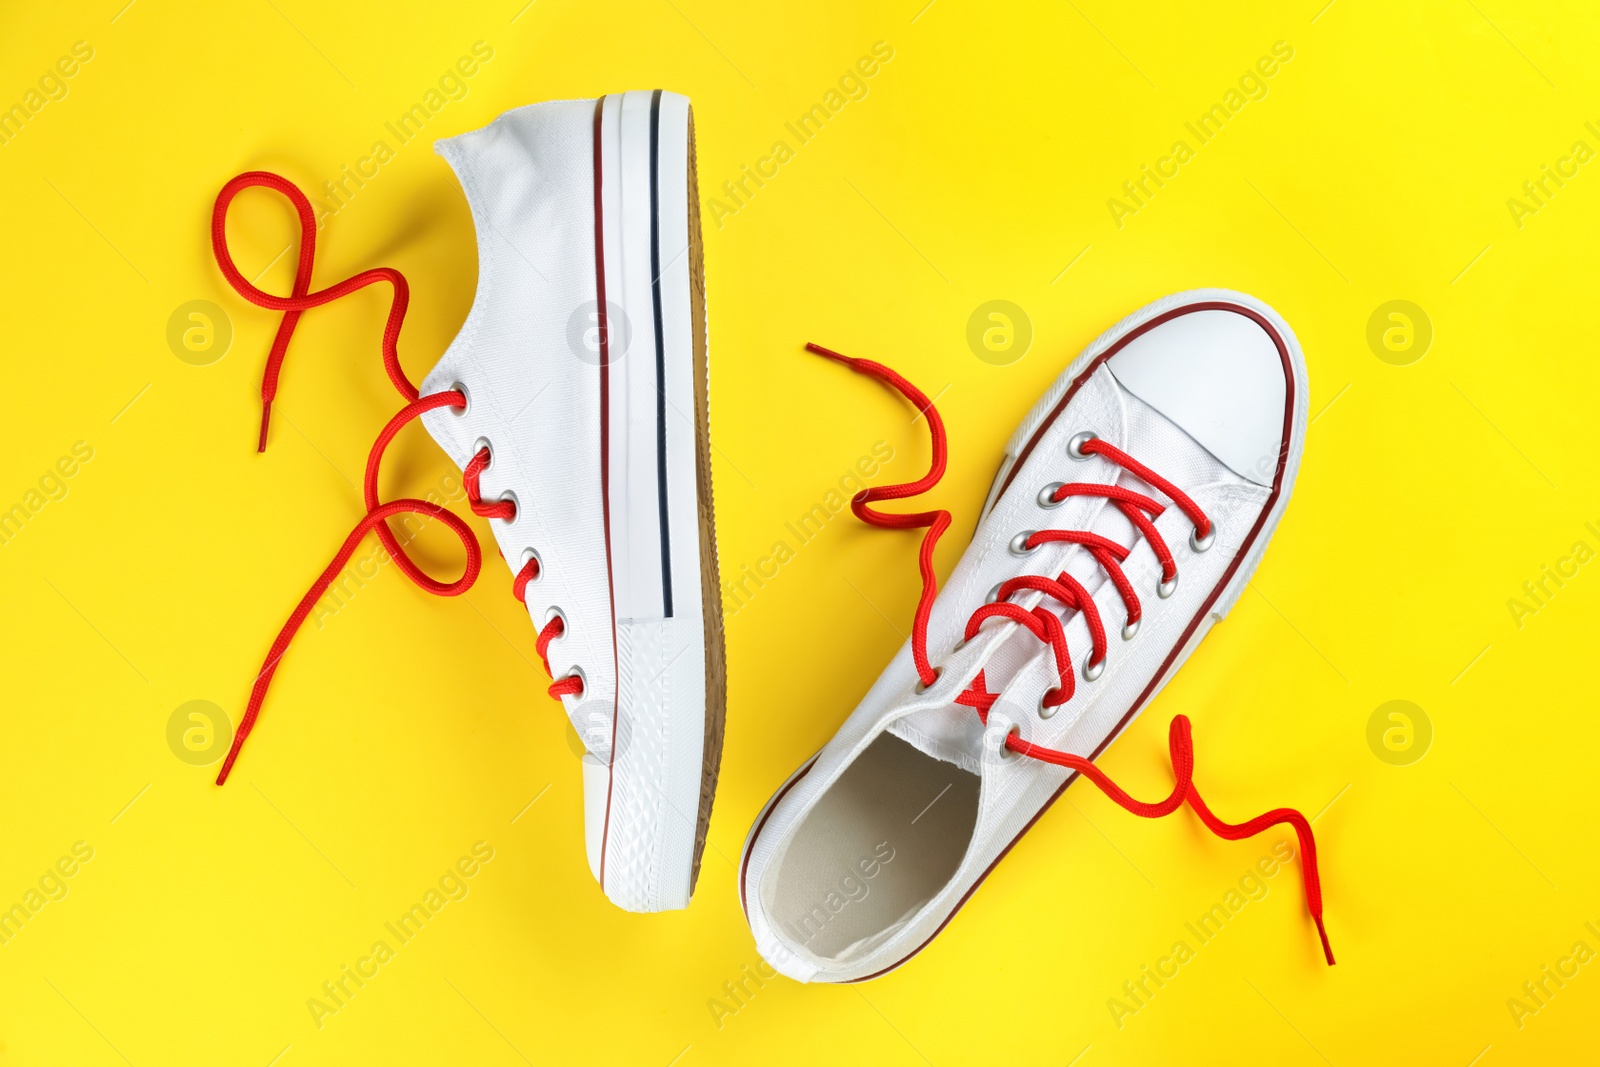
865	854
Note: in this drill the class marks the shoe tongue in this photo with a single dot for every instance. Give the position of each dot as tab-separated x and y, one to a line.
954	733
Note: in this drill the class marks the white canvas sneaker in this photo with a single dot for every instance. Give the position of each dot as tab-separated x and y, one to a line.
1131	507
574	398
584	364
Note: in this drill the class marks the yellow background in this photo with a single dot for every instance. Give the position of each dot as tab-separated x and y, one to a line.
977	167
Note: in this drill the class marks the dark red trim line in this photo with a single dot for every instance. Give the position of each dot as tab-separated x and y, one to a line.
1183	639
605	465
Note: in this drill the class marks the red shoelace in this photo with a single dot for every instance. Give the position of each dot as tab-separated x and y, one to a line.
301	299
1046	626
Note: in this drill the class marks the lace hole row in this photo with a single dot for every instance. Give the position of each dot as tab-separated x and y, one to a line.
576	671
529	555
483	444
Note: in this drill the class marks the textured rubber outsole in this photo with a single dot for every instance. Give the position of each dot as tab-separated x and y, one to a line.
657	792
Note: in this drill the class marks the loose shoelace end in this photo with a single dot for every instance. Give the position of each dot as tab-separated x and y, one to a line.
227	764
1322	932
812	346
376	519
266	419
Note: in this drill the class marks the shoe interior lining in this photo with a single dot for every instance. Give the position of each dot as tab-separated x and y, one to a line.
883	839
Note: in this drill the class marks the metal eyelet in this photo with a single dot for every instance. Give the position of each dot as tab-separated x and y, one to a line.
922	688
516	506
1075	446
1004	754
1047	495
553	614
1129	629
1046	711
459	412
538	570
1166	589
994	594
577	672
1093	670
1019	544
1200	544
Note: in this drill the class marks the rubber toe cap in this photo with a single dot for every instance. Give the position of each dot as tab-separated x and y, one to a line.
1220	376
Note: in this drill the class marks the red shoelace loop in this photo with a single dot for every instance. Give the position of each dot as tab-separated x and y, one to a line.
1140	510
300	298
378	513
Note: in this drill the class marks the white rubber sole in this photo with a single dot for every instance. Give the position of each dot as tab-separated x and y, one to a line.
653	798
